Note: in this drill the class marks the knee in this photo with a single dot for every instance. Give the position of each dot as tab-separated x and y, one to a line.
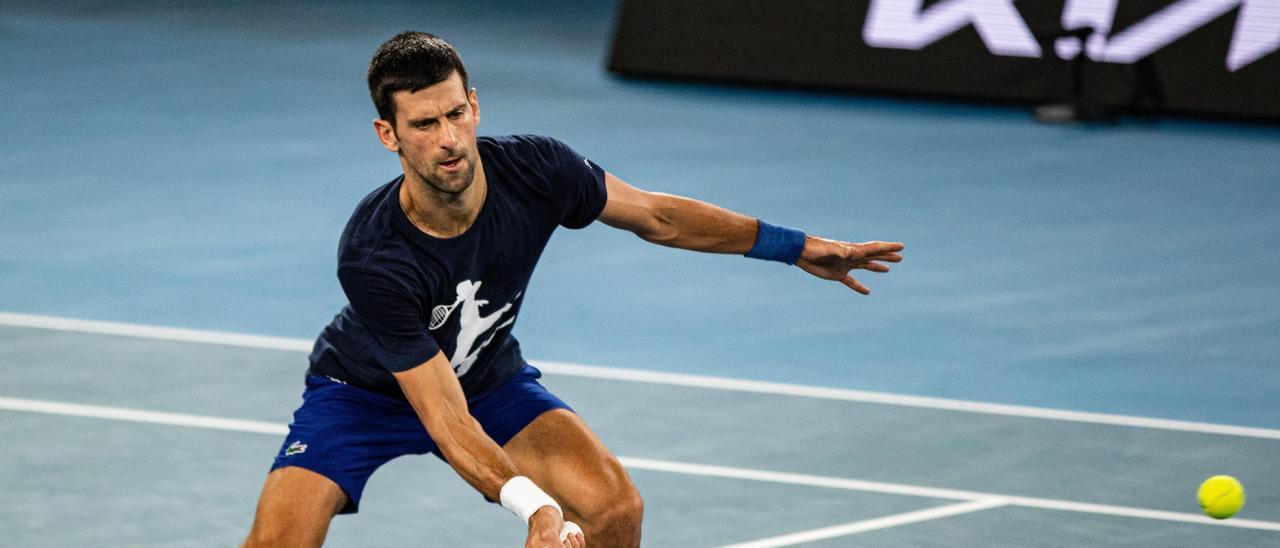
622	516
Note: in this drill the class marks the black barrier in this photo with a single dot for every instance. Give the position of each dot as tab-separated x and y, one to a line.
1215	57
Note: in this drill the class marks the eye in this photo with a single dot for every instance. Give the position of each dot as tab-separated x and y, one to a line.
455	115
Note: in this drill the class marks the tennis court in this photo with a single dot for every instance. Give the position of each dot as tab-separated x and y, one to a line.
169	433
1084	327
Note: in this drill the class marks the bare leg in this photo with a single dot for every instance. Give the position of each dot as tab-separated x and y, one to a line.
295	509
566	459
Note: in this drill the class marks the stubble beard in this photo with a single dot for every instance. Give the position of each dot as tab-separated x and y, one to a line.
451	188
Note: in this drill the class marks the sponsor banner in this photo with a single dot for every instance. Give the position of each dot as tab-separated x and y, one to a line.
1215	57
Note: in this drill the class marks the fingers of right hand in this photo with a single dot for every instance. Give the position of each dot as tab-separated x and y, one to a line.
570	528
575	541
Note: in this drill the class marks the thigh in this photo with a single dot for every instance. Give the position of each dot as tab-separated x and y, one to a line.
345	433
565	458
295	508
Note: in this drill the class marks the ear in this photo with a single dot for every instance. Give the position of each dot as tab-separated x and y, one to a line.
387	135
475	103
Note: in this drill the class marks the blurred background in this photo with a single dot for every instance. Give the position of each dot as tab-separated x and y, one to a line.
193	164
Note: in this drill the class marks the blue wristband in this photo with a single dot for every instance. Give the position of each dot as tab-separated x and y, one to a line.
777	243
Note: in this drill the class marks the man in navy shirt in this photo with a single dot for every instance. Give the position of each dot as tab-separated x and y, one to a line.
434	265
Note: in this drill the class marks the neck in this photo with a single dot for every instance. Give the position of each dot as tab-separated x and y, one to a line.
442	214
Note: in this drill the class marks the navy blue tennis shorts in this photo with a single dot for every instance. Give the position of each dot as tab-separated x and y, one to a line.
344	433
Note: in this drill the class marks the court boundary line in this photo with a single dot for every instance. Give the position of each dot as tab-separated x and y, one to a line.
262	427
659	377
886	522
933	492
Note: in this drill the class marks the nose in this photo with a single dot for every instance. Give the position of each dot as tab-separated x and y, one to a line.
448	136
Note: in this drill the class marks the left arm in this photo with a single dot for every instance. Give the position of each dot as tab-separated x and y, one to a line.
676	221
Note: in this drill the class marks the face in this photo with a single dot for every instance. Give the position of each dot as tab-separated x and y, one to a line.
435	135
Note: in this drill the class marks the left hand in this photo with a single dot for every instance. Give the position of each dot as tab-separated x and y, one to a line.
833	260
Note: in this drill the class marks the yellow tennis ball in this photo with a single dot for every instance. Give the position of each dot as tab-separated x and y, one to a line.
1221	496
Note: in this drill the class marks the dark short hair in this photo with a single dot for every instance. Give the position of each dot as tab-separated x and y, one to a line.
409	62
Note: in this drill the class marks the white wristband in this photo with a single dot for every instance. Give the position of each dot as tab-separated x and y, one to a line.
523	498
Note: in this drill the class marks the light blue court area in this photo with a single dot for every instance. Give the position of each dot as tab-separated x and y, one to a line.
129	439
192	167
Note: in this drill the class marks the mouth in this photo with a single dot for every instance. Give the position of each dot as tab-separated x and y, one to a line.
451	164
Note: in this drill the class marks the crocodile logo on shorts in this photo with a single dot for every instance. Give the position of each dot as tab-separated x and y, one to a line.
295	448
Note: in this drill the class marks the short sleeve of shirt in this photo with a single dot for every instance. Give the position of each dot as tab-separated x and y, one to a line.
577	183
392	315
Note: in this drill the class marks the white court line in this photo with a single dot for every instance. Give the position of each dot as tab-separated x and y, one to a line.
720	383
919	491
138	415
259	427
154	332
633	375
800	479
872	524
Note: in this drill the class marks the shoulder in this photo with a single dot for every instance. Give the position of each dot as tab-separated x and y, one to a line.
525	142
384	272
526	151
371	230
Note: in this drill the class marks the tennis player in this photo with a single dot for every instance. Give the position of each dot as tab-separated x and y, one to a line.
434	265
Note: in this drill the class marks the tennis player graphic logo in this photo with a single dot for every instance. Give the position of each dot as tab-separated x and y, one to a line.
472	324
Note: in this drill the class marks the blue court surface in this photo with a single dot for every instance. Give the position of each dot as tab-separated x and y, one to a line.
1084	328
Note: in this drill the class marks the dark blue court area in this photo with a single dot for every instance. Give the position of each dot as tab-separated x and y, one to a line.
1085	325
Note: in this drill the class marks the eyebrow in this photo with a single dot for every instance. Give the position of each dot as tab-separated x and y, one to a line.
459	108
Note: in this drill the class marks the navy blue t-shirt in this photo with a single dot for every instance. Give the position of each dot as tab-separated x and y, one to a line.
412	295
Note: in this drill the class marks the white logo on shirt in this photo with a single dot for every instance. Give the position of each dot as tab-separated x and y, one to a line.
473	325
